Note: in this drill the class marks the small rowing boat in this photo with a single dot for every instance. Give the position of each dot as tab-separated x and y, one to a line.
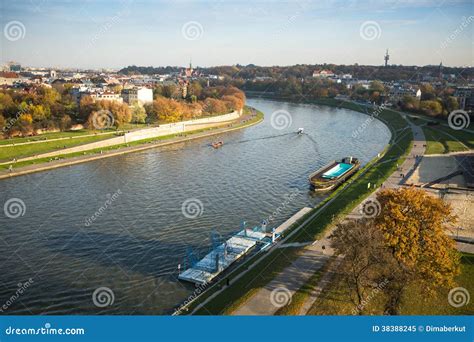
217	144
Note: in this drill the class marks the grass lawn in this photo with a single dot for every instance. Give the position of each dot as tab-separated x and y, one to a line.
53	135
335	300
21	151
351	196
438	142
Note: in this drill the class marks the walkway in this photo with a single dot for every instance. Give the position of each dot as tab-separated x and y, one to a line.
315	256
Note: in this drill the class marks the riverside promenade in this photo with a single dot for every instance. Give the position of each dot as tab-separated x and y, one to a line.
314	256
222	127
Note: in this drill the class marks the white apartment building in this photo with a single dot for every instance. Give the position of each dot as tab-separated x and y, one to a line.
140	95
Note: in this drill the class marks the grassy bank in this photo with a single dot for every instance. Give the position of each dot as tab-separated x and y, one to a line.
7	153
335	300
347	198
116	148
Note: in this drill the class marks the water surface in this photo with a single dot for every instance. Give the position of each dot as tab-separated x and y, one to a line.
134	244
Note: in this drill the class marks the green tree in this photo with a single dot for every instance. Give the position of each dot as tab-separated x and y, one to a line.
432	108
138	114
410	103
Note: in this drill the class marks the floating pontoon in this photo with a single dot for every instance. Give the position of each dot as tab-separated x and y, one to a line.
333	174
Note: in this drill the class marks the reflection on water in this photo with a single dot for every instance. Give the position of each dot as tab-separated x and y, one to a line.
136	240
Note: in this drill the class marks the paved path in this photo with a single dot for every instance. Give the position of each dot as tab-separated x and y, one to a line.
323	283
288	281
465	247
314	257
56	163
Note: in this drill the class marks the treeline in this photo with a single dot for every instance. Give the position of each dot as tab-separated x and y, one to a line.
26	112
168	107
23	112
141	70
436	102
433	102
249	72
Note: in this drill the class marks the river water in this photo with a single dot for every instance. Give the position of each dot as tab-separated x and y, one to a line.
119	223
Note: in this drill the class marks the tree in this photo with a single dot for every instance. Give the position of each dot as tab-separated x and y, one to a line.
409	103
376	86
427	92
404	245
170	90
2	123
65	123
233	102
138	114
432	108
361	244
214	106
87	105
195	89
413	224
120	111
451	103
163	109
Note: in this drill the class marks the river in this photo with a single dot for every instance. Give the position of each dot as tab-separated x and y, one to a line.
119	223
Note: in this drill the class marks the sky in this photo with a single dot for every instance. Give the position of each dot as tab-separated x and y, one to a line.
114	34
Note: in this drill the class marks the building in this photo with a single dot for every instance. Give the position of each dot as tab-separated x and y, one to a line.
465	97
9	78
140	95
323	74
397	92
106	95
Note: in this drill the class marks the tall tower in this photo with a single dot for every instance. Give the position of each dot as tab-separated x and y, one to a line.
386	58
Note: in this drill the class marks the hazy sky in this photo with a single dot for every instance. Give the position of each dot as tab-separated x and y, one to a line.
113	34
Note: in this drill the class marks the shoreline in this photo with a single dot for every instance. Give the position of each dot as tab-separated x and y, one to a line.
193	135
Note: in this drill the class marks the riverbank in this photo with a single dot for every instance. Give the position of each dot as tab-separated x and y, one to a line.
254	274
249	118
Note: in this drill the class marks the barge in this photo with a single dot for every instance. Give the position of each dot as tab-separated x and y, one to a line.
333	174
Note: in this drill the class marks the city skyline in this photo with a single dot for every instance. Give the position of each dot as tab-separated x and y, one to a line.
108	34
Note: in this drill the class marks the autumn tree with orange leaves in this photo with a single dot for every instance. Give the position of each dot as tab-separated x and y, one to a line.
412	248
